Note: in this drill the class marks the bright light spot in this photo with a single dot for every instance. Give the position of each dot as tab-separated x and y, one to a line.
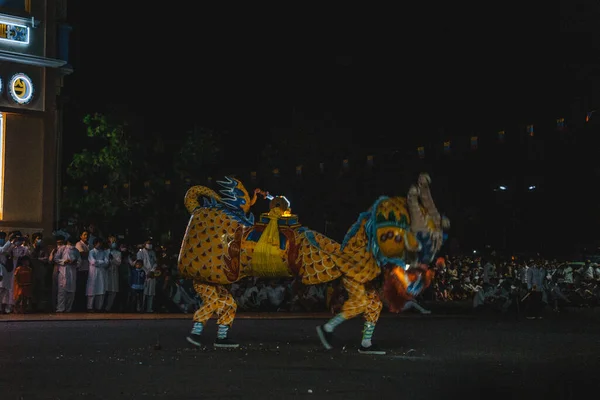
502	187
474	251
532	187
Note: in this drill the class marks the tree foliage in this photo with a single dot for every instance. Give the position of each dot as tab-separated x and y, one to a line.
105	168
111	156
122	180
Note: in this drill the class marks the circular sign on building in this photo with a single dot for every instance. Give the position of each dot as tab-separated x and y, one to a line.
21	88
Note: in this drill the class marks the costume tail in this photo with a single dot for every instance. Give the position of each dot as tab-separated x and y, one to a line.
193	194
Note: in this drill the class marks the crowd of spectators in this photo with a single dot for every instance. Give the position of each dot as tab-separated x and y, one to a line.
84	272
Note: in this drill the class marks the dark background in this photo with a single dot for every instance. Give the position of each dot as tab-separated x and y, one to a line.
366	83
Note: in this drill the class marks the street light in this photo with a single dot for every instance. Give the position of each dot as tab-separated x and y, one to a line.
531	188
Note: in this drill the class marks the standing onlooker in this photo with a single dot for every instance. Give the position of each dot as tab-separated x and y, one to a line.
535	284
137	284
112	275
6	271
39	263
68	259
148	257
127	261
96	283
489	272
275	295
23	285
54	261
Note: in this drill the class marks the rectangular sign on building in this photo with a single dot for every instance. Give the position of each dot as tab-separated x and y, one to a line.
14	33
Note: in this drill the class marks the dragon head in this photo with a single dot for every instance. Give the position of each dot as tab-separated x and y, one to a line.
387	231
392	228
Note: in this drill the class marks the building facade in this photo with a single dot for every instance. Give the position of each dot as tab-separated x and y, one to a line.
33	63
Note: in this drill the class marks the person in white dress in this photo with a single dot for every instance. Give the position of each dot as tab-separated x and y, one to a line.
6	283
96	283
68	260
148	257
112	276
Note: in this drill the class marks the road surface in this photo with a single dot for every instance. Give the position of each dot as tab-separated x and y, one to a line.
429	358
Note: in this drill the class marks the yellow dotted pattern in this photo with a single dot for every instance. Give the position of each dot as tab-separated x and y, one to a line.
361	301
215	300
206	245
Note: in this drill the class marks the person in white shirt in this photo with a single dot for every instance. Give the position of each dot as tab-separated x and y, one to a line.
60	242
182	298
482	295
535	284
567	274
488	272
523	274
275	295
112	275
254	296
557	292
96	283
597	272
6	284
148	257
588	272
68	260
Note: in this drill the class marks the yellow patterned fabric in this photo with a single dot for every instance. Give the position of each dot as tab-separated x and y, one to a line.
267	261
215	300
361	301
205	247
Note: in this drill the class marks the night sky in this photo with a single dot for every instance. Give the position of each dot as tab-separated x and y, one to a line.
246	77
370	80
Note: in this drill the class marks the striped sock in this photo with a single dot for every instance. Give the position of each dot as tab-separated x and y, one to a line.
367	334
222	331
197	329
333	323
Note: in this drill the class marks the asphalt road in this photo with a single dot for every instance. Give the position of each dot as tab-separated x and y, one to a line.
429	358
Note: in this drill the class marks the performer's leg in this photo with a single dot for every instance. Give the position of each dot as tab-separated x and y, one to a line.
371	315
210	303
225	315
355	305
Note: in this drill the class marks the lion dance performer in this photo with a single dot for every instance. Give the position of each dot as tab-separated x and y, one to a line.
223	244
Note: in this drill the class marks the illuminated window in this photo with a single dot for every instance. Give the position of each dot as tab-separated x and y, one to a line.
2	125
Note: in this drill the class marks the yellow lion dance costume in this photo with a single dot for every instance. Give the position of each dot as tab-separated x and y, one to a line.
223	244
